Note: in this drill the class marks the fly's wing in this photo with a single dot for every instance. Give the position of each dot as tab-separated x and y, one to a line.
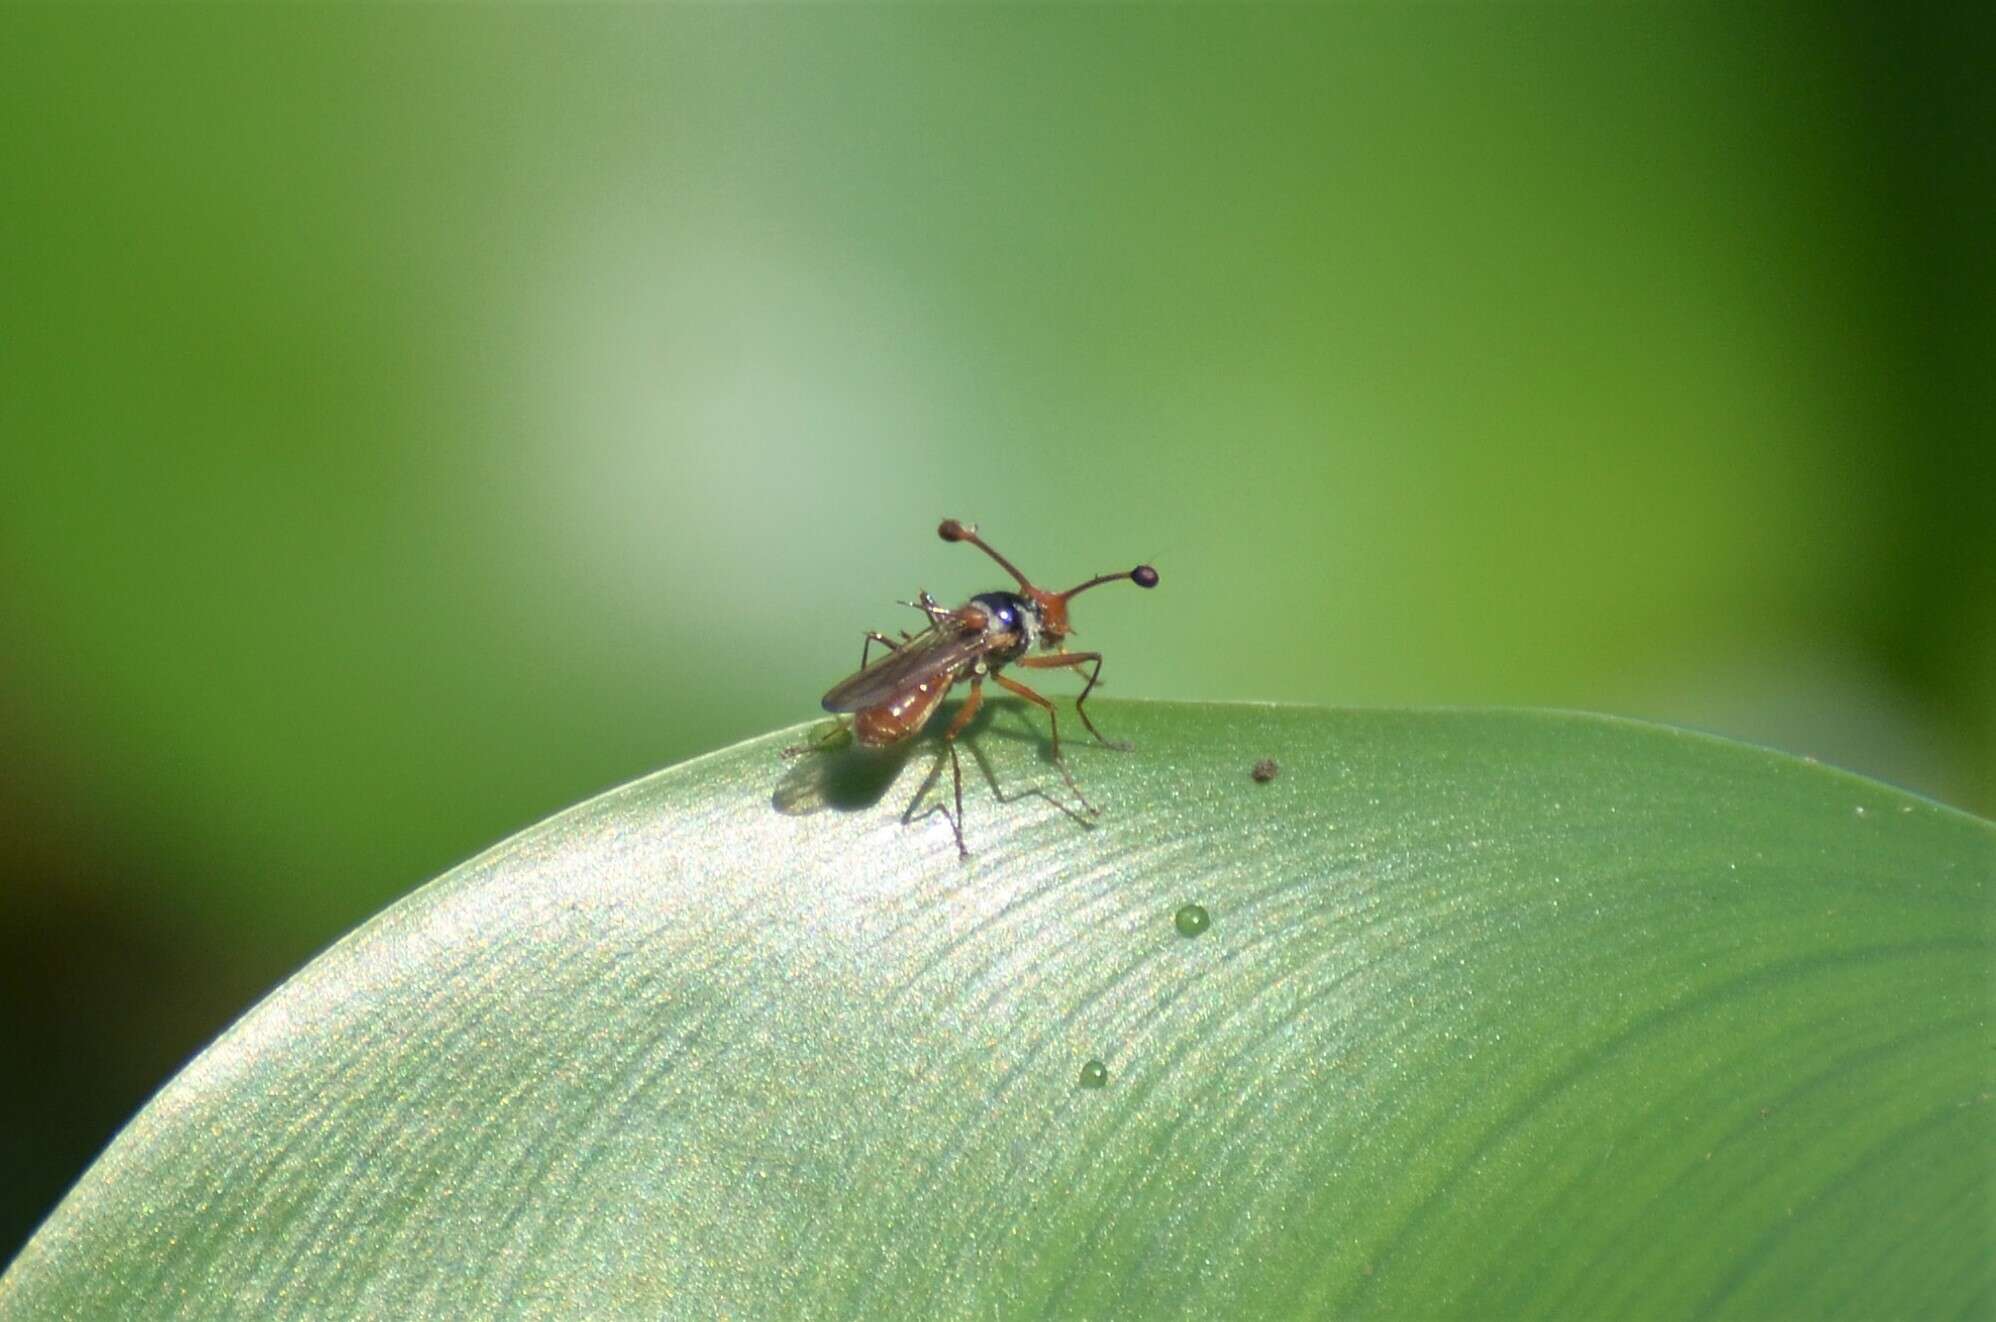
939	652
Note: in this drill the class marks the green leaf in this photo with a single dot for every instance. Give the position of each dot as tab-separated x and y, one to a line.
1493	1014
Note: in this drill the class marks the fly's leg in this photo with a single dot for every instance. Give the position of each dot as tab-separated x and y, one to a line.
929	606
1077	659
957	771
838	736
875	636
1053	720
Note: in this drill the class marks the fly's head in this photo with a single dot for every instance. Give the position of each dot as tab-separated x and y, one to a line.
1041	615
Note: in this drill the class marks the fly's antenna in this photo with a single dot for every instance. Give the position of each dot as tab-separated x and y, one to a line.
1143	576
952	531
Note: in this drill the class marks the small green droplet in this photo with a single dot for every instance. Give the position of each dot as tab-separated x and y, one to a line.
1094	1075
1192	920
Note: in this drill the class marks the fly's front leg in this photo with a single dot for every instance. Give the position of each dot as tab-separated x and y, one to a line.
1053	720
1077	659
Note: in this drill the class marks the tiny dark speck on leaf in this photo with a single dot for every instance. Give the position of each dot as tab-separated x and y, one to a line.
1094	1075
1264	771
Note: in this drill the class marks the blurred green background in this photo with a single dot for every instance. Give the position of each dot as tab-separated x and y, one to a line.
414	421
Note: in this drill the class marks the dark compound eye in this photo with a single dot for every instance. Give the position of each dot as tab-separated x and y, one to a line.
1144	576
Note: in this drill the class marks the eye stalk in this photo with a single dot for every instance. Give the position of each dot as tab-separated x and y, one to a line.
1052	606
1143	576
953	531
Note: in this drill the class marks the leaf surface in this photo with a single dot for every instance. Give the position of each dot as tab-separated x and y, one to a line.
1496	1013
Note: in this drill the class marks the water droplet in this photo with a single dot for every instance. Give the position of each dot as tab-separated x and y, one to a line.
1094	1075
1192	920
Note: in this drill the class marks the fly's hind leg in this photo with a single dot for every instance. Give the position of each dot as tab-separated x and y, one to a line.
875	636
837	734
956	726
1053	720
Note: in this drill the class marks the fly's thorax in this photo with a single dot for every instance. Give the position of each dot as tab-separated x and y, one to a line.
1011	623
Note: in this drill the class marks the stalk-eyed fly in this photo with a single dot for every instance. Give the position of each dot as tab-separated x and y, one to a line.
892	699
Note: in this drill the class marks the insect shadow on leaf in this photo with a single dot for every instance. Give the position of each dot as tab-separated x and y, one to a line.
838	774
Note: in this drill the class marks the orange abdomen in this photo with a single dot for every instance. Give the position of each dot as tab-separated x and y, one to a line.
901	715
